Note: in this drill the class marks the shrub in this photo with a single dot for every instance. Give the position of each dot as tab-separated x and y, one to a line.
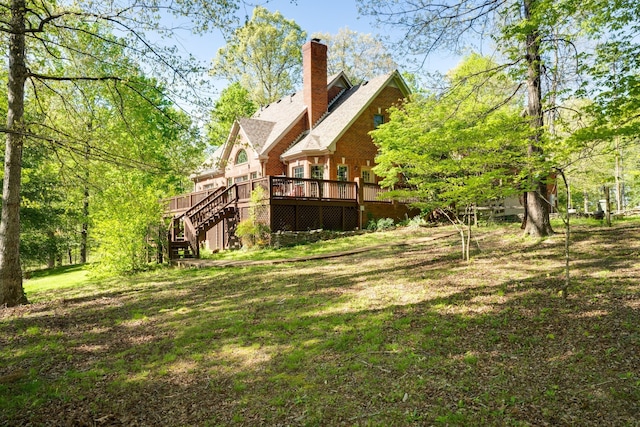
416	221
253	233
380	225
384	224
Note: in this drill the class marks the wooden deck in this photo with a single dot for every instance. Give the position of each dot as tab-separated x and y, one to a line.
290	204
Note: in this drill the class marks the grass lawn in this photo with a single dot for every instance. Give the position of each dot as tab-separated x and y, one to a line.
401	335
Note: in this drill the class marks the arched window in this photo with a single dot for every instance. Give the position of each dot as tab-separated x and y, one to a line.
241	157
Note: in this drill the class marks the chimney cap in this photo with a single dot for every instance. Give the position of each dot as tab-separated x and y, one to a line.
317	40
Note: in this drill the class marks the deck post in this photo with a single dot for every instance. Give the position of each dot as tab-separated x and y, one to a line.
359	200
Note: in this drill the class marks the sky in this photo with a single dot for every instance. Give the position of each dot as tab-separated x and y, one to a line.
325	16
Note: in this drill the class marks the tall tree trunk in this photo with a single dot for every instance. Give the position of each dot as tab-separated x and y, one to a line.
84	236
11	291
537	209
619	180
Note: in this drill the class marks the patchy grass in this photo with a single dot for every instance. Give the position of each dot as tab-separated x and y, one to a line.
327	246
402	335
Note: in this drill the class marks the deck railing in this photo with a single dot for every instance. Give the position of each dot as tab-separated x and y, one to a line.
277	187
312	189
374	193
245	188
186	201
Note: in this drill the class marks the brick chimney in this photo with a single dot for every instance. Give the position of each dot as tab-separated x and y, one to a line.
314	79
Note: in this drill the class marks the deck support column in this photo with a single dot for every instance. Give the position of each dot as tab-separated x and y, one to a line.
359	201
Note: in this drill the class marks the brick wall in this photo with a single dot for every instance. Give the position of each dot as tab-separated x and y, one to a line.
274	165
396	211
356	145
314	63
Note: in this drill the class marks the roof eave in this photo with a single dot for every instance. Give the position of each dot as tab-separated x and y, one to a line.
402	85
306	153
266	149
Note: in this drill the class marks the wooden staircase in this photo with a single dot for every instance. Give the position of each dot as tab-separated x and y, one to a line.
190	228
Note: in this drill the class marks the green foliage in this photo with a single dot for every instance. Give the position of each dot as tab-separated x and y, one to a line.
415	222
126	218
107	140
360	56
456	147
234	103
382	224
252	231
264	56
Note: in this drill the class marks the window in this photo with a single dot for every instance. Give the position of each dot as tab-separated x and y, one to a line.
298	172
242	178
367	175
317	171
378	119
229	182
343	173
254	175
241	157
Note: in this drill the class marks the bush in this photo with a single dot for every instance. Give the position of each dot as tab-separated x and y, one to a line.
380	225
416	221
253	233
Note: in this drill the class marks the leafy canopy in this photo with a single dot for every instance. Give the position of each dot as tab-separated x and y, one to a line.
263	55
234	103
360	56
456	147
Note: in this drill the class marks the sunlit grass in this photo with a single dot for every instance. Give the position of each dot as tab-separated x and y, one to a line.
57	278
339	244
399	335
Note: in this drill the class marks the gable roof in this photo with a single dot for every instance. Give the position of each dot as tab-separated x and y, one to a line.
322	138
271	123
338	79
256	131
212	166
283	114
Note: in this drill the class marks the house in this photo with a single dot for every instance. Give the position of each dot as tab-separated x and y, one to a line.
312	153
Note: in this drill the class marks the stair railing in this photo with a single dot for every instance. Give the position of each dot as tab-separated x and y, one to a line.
199	216
189	212
204	214
191	236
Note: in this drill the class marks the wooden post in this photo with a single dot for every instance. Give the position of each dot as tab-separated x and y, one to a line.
607	213
359	201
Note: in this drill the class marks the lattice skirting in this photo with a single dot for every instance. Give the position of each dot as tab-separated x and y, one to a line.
312	217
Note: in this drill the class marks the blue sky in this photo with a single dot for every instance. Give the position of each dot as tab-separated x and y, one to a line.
326	16
313	16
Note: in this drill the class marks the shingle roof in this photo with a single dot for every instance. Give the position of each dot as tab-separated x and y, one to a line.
257	131
283	113
211	166
323	137
271	123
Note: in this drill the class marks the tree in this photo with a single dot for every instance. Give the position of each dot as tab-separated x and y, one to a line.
234	103
35	32
360	56
263	56
524	32
455	150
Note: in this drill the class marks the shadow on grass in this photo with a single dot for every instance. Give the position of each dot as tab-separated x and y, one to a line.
397	337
